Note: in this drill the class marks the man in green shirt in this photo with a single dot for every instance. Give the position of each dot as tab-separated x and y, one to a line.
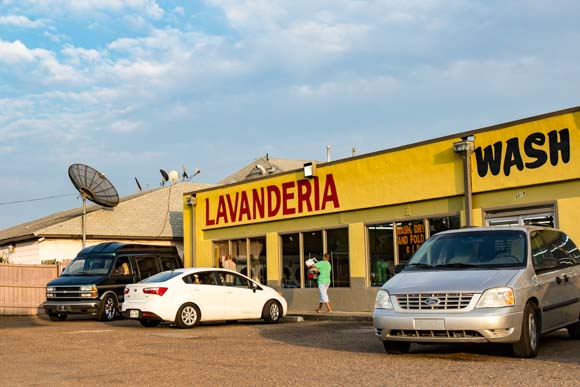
324	269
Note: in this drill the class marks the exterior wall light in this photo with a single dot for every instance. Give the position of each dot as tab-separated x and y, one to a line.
310	169
465	148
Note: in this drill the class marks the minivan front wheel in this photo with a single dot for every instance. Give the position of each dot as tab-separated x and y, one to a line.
527	346
107	308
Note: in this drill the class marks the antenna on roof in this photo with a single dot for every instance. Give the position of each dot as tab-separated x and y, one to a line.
164	177
184	174
92	185
138	184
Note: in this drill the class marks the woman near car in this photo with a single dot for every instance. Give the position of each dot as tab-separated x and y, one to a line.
324	268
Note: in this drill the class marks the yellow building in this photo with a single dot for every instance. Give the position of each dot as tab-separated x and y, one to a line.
372	211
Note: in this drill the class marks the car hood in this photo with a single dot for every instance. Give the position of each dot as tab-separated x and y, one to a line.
449	281
76	280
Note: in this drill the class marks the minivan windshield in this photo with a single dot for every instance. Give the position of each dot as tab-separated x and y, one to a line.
471	249
89	265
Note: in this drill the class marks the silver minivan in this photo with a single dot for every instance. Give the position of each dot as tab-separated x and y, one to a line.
489	284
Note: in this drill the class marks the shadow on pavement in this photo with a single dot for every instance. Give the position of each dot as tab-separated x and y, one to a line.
359	337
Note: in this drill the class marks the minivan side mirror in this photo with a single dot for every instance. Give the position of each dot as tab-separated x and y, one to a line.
399	268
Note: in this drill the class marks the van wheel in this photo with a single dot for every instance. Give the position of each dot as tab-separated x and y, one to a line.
187	316
396	347
57	316
149	323
107	308
272	312
527	346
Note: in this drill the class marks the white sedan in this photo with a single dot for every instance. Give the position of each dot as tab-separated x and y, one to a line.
189	296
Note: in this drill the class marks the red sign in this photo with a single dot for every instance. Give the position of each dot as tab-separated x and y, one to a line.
292	197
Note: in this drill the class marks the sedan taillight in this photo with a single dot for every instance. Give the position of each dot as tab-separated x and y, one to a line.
126	291
158	291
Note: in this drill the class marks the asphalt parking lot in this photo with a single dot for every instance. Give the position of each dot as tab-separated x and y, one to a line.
36	351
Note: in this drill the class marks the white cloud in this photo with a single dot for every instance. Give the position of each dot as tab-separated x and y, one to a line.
47	67
15	52
345	89
20	21
78	55
150	8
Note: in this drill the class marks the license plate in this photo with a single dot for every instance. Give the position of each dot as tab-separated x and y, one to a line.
133	313
436	324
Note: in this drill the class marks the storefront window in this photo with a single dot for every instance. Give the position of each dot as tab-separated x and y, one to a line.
410	236
291	260
313	248
443	223
337	245
221	249
240	255
381	253
258	260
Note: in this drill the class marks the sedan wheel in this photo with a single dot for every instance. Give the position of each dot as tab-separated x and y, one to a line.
272	312
187	316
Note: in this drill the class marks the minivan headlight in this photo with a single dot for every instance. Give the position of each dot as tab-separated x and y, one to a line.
383	300
497	298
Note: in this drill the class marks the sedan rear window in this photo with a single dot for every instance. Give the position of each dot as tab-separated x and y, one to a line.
162	277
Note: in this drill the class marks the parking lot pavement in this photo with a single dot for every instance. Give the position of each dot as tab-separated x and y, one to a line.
35	351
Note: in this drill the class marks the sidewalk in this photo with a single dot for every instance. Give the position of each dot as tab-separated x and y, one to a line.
334	316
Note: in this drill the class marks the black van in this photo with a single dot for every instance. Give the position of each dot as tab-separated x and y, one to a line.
94	281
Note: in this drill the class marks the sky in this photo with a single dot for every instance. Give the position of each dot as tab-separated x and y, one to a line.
130	87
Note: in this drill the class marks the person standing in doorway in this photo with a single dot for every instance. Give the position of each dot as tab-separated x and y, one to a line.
229	263
324	268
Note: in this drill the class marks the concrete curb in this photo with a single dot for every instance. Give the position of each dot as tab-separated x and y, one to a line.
335	316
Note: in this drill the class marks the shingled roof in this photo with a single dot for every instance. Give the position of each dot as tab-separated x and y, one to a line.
267	166
152	214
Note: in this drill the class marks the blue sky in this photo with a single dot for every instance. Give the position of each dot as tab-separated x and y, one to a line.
132	86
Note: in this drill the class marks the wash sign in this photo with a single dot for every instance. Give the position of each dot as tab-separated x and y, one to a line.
536	152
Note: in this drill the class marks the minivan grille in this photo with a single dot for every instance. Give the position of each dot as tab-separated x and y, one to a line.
434	301
444	334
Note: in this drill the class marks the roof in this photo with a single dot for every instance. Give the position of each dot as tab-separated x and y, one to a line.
263	166
152	214
115	247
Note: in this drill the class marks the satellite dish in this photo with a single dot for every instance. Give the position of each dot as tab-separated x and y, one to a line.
164	177
92	185
173	177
